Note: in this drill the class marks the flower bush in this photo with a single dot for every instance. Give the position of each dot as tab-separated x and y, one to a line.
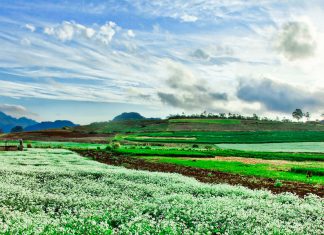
51	191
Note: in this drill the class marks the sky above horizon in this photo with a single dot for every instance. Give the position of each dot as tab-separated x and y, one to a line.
89	61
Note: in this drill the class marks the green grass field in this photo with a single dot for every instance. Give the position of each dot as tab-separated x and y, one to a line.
289	171
55	191
278	147
229	137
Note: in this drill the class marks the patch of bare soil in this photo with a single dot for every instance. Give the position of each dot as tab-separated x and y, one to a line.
207	176
248	160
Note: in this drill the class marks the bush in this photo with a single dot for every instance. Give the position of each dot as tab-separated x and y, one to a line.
108	148
278	184
208	147
116	145
195	146
29	146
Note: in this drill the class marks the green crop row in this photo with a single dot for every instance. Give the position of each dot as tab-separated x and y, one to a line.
221	152
229	137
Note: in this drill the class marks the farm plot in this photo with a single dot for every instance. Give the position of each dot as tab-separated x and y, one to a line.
56	191
204	153
273	169
278	147
229	137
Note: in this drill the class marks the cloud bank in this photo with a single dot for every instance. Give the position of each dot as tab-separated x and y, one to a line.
189	92
277	96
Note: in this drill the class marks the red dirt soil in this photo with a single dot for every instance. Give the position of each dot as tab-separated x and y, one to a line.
59	135
207	176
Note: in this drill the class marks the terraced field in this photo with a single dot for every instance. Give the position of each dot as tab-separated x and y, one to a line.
50	191
228	137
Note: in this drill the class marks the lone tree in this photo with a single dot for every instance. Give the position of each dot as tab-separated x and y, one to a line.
307	115
17	129
298	114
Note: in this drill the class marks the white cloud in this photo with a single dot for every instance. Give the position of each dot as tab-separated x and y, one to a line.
30	27
130	33
189	18
297	40
106	32
69	30
15	110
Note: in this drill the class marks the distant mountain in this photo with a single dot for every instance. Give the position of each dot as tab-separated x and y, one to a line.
7	122
128	116
50	125
131	116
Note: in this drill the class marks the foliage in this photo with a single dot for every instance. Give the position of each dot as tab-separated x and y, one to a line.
17	129
57	192
309	171
298	114
278	183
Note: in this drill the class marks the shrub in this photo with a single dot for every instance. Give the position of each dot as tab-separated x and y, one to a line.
108	148
29	146
195	146
278	184
116	145
208	147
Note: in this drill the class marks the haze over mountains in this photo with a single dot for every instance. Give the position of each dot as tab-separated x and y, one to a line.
7	122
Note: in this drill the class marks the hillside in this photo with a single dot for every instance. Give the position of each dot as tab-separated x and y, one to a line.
7	122
50	125
129	116
204	125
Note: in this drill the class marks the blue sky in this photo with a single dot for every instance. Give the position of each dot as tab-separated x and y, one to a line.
90	60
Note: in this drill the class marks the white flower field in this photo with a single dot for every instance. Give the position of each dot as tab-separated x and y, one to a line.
49	191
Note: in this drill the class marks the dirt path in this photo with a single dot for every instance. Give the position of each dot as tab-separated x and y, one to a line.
208	176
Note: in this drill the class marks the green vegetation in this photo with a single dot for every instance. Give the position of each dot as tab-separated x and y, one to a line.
229	137
162	151
125	126
278	147
54	144
309	171
210	121
266	170
51	191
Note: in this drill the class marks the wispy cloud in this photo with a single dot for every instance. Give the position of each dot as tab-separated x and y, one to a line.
167	54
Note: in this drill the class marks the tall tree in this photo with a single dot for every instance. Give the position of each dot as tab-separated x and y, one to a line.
307	115
17	129
297	114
